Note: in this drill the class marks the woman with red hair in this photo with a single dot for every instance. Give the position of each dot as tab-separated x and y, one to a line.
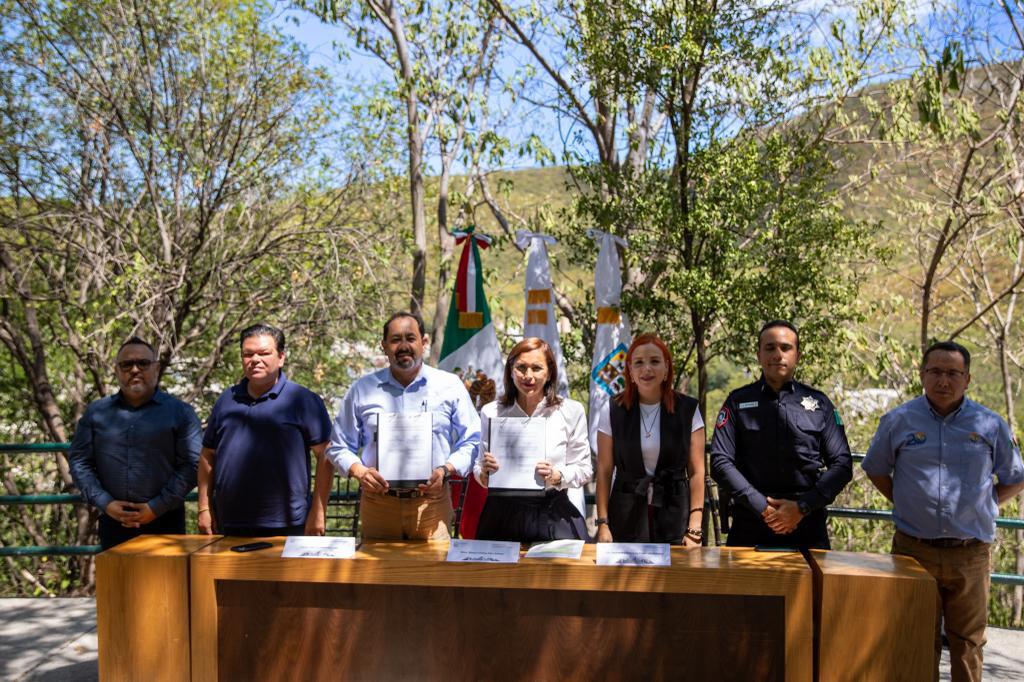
650	455
531	392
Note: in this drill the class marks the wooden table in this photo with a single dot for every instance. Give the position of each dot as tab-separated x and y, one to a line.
142	607
874	617
399	611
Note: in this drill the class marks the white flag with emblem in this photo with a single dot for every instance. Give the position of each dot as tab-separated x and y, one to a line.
612	335
540	319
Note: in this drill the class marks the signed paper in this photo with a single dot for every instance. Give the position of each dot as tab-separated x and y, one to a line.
518	444
404	447
556	549
487	551
317	547
633	554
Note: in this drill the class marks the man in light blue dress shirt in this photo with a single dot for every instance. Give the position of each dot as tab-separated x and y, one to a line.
934	458
406	386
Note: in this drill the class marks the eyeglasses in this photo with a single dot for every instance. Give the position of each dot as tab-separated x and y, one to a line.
951	374
141	363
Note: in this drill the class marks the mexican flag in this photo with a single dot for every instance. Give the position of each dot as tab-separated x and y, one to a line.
471	350
470	347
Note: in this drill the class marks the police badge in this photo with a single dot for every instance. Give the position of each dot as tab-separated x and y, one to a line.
810	404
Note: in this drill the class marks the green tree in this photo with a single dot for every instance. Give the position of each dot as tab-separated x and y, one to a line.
167	170
950	142
709	129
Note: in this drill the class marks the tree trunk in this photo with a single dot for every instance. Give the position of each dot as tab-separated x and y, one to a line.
447	246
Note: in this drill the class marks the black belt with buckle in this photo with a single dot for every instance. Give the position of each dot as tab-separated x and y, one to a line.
403	493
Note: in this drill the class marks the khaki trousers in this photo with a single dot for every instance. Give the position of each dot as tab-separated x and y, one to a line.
963	576
384	517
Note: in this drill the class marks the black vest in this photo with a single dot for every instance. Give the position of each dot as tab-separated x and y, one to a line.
627	506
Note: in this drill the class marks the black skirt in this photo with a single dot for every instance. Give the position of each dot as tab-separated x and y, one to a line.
530	518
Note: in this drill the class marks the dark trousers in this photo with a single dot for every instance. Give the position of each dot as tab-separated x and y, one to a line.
112	533
748	529
531	518
261	531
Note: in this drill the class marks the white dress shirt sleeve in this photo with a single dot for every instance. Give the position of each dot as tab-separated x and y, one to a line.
487	412
578	468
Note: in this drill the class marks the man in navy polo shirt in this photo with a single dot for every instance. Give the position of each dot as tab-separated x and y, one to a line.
254	469
935	458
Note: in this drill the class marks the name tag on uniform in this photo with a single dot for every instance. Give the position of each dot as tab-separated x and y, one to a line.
746	406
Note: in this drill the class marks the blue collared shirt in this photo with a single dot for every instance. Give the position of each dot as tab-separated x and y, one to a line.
136	454
942	468
456	425
261	470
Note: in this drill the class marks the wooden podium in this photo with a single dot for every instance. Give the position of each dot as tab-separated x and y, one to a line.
142	608
874	617
186	607
398	611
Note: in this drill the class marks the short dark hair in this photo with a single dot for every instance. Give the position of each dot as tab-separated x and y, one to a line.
778	323
261	329
403	313
950	346
136	341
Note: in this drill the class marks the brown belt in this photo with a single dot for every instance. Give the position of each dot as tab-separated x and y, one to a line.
404	493
947	543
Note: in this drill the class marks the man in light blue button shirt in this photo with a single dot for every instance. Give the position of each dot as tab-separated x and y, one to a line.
935	458
407	386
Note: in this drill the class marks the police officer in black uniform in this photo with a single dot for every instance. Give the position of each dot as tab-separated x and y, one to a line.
780	451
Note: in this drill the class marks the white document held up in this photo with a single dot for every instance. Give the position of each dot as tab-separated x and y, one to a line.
404	447
488	551
556	549
633	554
317	547
518	444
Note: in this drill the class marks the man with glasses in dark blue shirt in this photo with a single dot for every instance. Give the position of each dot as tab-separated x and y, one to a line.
935	458
134	454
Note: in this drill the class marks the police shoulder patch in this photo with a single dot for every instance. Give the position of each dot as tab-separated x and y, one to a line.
723	418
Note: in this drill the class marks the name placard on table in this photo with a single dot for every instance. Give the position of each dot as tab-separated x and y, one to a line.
316	547
633	554
487	551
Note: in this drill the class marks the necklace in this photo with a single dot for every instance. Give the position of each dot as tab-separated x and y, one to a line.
649	428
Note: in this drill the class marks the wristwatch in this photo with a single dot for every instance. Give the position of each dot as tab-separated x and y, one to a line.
447	472
804	508
600	521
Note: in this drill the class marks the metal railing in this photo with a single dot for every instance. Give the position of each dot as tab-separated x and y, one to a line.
345	501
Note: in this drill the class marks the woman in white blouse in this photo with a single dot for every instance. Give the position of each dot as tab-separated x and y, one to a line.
530	392
650	455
